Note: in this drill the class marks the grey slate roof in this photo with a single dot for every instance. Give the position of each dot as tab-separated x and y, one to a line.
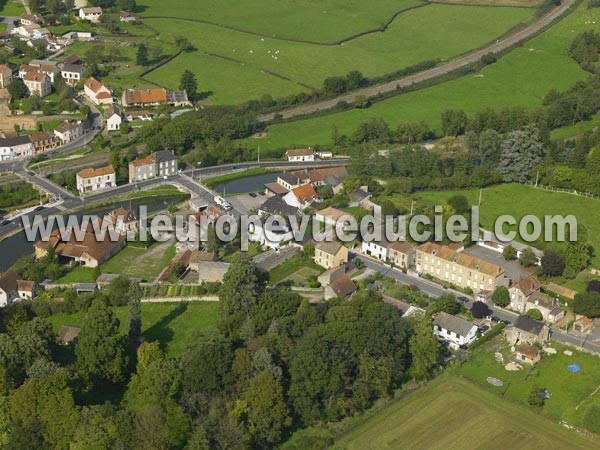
163	156
529	325
452	323
289	178
11	142
276	205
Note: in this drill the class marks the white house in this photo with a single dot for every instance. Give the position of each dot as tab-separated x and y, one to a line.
92	14
16	148
38	83
97	92
114	118
8	287
301	155
126	17
26	289
89	180
301	197
69	131
376	248
456	332
71	70
270	232
331	216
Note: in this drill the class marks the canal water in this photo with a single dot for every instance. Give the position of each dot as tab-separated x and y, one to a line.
17	245
252	183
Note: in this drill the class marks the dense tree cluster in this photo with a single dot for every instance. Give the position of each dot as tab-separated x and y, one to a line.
585	49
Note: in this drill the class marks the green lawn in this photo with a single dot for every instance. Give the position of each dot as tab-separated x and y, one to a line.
454	413
142	263
172	324
312	20
522	78
518	201
291	266
11	8
79	274
571	393
246	67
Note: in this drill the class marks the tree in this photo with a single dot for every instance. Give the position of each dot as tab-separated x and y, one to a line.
535	314
509	253
454	122
206	367
459	203
17	89
238	292
424	350
479	310
335	85
501	297
134	317
528	258
263	409
189	84
587	303
520	152
356	79
100	349
577	254
536	396
552	262
142	55
128	5
446	303
593	286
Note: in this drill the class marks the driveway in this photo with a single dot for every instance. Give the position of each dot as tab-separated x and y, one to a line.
244	203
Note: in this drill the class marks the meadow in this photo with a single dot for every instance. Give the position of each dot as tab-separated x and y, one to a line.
455	413
309	20
519	200
521	78
11	8
173	325
233	66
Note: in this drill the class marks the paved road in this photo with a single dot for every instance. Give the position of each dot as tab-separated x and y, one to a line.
471	58
435	290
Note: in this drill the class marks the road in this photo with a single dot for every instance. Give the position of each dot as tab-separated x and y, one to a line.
435	290
496	47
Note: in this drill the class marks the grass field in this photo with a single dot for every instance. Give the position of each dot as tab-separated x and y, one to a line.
172	324
311	20
522	78
142	263
79	274
518	201
247	66
11	8
453	413
571	393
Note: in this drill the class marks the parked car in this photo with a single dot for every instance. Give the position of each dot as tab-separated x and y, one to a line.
4	222
38	208
252	194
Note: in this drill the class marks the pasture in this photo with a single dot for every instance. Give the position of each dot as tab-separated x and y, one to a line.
455	413
233	66
522	78
519	200
11	8
173	325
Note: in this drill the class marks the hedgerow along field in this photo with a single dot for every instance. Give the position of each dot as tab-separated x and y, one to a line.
233	66
522	77
520	200
455	413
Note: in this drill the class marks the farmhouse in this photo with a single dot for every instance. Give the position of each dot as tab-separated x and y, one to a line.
5	76
301	197
526	330
90	180
114	118
457	268
92	14
84	249
38	83
8	287
300	155
153	97
126	17
456	332
97	92
330	254
16	147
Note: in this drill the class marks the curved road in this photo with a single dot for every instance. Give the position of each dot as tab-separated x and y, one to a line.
471	58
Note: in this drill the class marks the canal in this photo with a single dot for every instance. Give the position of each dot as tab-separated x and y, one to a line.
247	184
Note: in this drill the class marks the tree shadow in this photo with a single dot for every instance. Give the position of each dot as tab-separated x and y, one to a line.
160	331
203	95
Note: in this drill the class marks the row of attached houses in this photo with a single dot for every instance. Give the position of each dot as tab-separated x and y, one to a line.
153	97
526	294
400	253
158	164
